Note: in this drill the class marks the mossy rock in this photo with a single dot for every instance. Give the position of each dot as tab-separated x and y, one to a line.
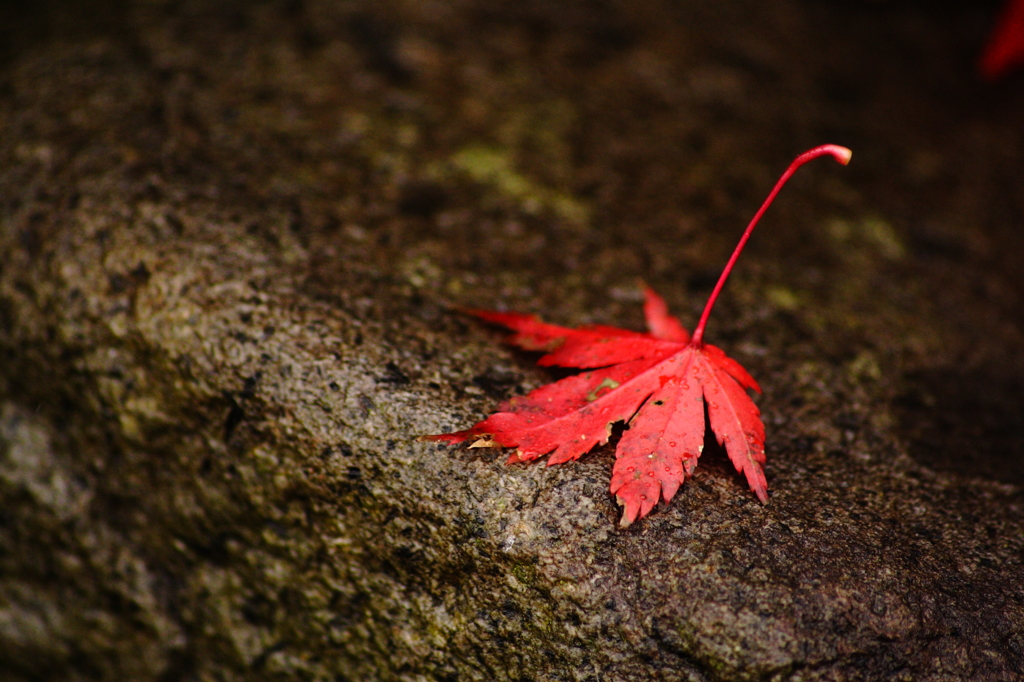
233	241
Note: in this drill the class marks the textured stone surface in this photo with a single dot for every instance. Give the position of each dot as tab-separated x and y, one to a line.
230	238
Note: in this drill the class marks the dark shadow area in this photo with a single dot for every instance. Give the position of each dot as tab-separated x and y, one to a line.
970	423
24	24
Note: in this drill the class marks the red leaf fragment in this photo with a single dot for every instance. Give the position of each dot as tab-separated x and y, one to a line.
661	324
1004	50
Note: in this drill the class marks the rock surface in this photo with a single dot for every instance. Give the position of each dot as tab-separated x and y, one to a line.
230	238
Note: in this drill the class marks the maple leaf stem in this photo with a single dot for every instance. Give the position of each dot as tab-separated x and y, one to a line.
840	154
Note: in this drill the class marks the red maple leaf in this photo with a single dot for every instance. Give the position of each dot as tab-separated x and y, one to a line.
659	383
